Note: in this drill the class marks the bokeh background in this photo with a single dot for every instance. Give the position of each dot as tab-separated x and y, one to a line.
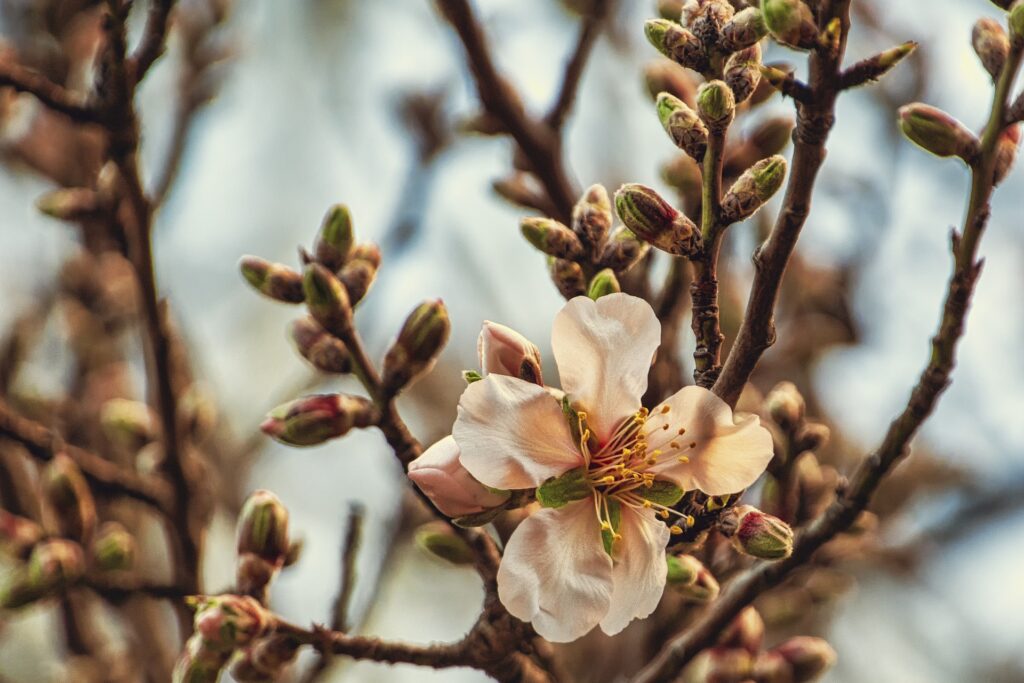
308	112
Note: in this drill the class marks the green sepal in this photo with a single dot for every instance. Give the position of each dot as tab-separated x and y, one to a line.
471	376
678	572
572	416
559	491
479	519
615	519
661	492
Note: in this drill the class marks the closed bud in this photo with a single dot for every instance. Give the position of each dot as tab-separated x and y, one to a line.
199	663
438	539
128	424
716	105
327	299
691	579
670	9
771	667
312	420
53	565
1006	152
745	29
756	533
324	352
683	125
746	631
708	20
439	474
743	72
335	239
263	527
113	549
937	132
1016	21
875	67
70	204
753	188
274	280
785	405
653	220
772	135
419	342
551	237
812	436
592	216
622	251
70	498
720	665
568	277
810	657
360	271
603	283
18	534
504	351
664	76
264	661
226	622
991	44
684	175
790	22
676	43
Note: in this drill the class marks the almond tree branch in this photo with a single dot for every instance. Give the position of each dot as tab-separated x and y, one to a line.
925	395
154	37
590	30
52	95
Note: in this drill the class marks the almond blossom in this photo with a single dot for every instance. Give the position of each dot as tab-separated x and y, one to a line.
606	470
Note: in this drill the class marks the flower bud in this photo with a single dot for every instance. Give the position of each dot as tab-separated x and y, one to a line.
360	271
937	132
68	494
70	204
691	579
253	575
622	251
771	135
327	299
683	174
226	622
785	405
812	436
683	125
551	237
720	665
274	280
1016	21
335	239
676	43
991	44
670	9
746	28
716	105
757	534
810	657
53	565
312	420
18	534
264	661
1006	152
441	477
746	631
568	277
263	527
592	216
709	18
199	663
602	284
504	351
742	72
653	220
323	351
128	424
113	549
790	22
438	539
771	667
415	350
665	76
753	188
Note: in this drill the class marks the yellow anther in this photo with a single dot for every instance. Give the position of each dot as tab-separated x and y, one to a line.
648	504
664	426
643	412
648	483
616	536
656	452
653	460
605	526
582	414
683	459
690	521
663	514
675	529
609	479
673	444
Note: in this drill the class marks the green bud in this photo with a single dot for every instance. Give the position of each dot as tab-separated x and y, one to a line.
128	424
415	350
742	72
1016	21
324	352
70	204
683	125
622	251
592	216
335	239
265	660
275	280
70	498
809	657
559	491
937	132
691	579
603	283
745	29
327	299
791	22
551	237
757	534
653	220
360	271
753	188
568	277
716	105
677	43
18	534
438	539
263	527
670	9
113	549
312	420
53	565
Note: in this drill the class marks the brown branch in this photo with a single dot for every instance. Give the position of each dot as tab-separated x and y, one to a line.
933	380
55	97
117	592
106	477
154	38
590	30
704	288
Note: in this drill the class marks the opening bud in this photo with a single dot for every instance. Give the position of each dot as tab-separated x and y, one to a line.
937	132
274	280
808	656
226	622
335	239
691	579
708	18
676	43
70	498
113	549
592	216
745	29
128	424
441	477
790	22
603	283
438	539
327	299
312	420
568	277
683	125
415	350
263	527
756	533
323	351
53	565
653	220
716	105
785	405
504	351
753	188
622	251
743	72
551	237
360	271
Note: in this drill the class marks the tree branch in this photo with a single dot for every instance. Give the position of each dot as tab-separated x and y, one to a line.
590	30
52	95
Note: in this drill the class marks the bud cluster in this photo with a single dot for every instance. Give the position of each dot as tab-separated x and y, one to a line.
223	624
798	660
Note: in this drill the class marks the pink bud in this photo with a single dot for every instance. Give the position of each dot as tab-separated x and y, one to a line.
440	475
504	351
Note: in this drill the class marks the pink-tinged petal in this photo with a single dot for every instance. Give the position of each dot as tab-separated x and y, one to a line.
727	455
504	351
639	571
513	434
443	479
555	573
604	350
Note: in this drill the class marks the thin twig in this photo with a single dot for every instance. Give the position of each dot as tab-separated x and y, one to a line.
590	30
154	37
54	96
342	617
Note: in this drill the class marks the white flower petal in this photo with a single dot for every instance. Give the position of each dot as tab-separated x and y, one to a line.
728	456
604	350
639	571
555	573
513	434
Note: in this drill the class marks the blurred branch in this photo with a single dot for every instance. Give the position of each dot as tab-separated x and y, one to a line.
153	38
590	29
52	95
